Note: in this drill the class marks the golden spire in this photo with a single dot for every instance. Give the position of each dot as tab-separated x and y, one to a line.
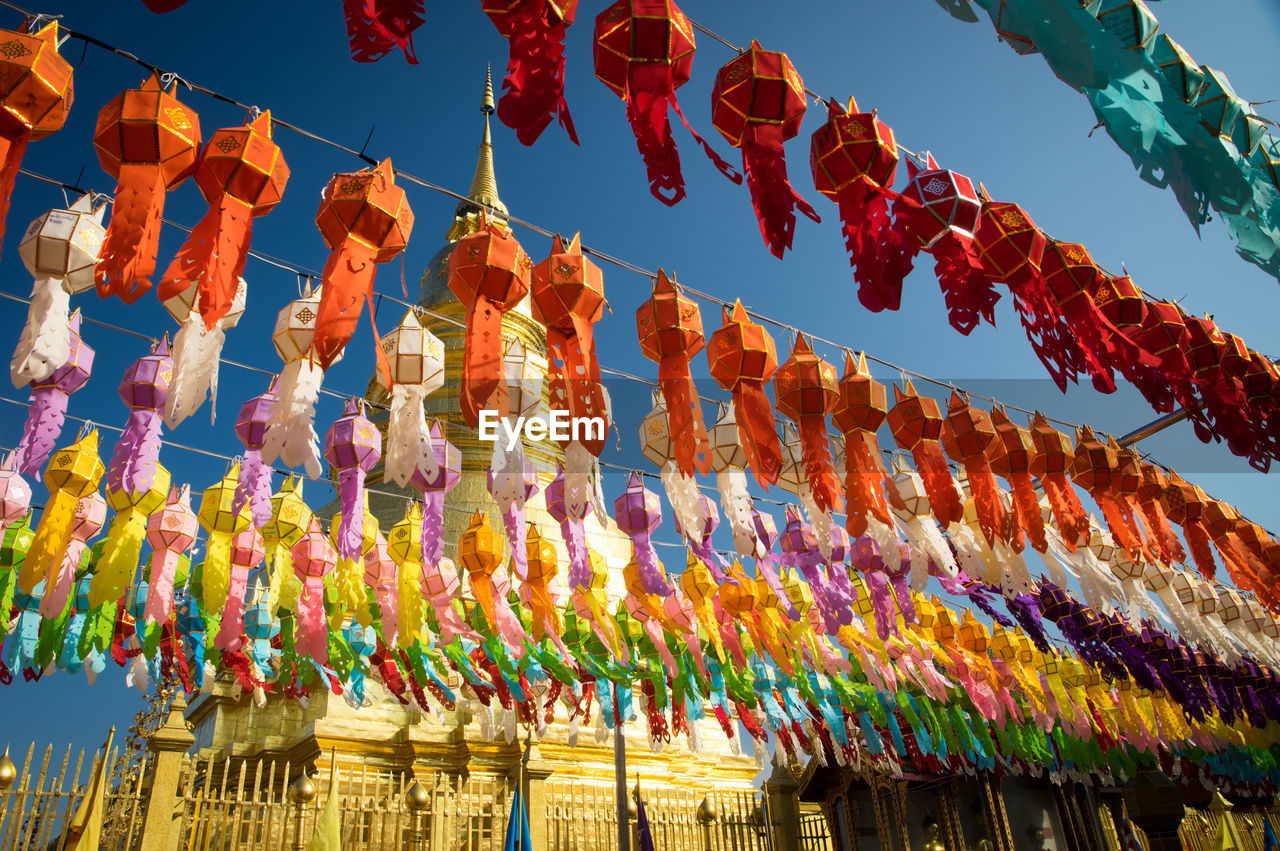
484	185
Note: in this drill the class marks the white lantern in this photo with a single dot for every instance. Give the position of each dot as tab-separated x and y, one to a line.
655	434
525	371
291	434
729	460
726	444
912	493
792	476
415	358
1230	606
1181	583
60	250
1100	543
1155	577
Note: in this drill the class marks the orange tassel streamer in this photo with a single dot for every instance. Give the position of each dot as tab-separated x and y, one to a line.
1068	512
1201	550
1028	510
967	435
128	255
945	501
348	280
916	423
864	475
214	256
13	144
692	447
759	431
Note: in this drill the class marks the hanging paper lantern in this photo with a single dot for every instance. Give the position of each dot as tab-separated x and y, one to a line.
670	329
853	157
657	445
247	551
143	388
1010	455
567	291
149	142
170	533
489	273
1094	467
480	552
60	250
313	560
742	357
291	434
805	386
639	514
1050	464
90	515
254	487
859	411
123	544
525	485
757	104
49	398
534	86
381	573
242	174
1070	276
34	99
404	551
416	360
290	520
222	525
938	209
916	423
352	447
967	432
73	474
448	472
791	477
365	220
644	52
729	459
535	591
572	531
377	27
197	353
511	479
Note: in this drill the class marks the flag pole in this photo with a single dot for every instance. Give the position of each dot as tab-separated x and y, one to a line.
620	772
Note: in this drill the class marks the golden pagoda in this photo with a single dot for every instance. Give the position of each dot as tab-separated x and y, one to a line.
385	742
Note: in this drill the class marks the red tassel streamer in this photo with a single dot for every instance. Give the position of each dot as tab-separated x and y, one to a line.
944	500
377	27
1028	508
128	255
759	431
347	282
534	85
684	416
968	293
773	197
878	259
13	144
162	6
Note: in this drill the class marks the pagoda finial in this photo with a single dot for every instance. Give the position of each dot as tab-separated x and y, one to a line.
484	185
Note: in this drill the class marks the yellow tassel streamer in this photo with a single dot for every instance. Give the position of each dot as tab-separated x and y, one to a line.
404	545
123	546
72	474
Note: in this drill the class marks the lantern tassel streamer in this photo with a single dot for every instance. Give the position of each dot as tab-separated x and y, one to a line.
534	85
773	197
45	344
684	416
40	433
758	431
128	255
197	351
291	434
409	443
213	257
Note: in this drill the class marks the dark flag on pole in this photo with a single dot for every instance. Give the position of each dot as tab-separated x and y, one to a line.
644	835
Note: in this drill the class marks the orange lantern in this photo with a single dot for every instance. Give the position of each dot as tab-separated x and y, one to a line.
242	175
757	104
670	329
966	433
1010	455
365	220
1183	502
1150	499
805	387
489	273
1049	464
35	96
567	290
742	357
1094	467
860	409
149	143
916	424
534	87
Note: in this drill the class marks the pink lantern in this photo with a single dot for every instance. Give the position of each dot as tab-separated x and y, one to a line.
447	475
573	531
382	575
15	493
170	532
91	513
49	401
639	514
313	560
254	486
352	447
247	552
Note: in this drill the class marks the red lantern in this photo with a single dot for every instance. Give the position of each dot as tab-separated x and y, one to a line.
1011	248
149	142
35	96
1070	275
966	433
1184	504
757	104
670	329
489	273
242	175
1050	464
534	87
805	387
938	210
742	357
377	27
859	411
162	6
853	158
365	220
916	423
644	52
1121	303
1010	455
568	297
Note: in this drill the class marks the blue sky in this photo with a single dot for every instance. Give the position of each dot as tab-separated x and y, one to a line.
942	85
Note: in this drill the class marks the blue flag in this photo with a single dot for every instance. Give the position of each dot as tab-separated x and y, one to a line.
1269	840
518	826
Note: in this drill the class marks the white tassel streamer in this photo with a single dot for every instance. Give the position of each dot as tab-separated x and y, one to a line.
291	434
196	351
409	443
735	503
45	344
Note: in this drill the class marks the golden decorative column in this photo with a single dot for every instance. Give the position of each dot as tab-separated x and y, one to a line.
164	805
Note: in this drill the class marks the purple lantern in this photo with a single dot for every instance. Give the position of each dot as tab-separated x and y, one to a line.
144	388
800	551
447	475
254	486
352	447
766	532
513	510
49	402
574	532
699	540
639	514
867	561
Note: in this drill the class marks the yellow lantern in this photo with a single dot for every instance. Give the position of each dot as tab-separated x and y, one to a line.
123	546
221	523
72	474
